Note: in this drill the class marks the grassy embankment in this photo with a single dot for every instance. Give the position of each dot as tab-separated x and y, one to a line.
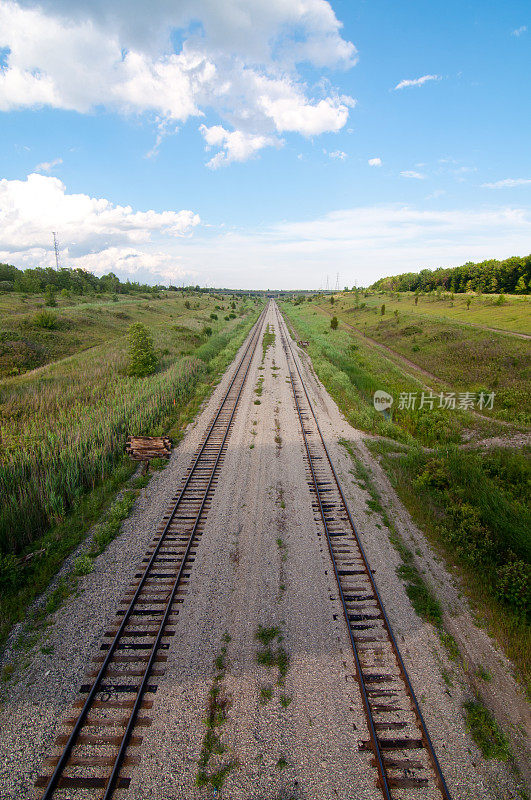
63	426
472	506
462	357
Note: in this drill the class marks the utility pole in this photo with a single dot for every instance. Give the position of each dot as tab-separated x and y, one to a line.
56	248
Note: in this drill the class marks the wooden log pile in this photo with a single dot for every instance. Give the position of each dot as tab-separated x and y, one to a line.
144	448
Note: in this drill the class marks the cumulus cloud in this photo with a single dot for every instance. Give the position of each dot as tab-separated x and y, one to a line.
235	145
375	162
410	173
91	230
507	182
239	60
417	81
47	166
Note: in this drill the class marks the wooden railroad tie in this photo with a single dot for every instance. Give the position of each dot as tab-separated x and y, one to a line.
144	448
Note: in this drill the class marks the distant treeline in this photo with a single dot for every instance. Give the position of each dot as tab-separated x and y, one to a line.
512	275
76	281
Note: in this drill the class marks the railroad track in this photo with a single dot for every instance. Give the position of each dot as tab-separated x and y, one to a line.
102	736
402	752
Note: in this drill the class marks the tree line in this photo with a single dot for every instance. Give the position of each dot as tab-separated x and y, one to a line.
75	281
512	276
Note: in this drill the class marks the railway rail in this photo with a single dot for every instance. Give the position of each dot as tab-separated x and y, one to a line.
100	745
402	752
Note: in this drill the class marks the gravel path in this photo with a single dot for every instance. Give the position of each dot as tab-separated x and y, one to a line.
260	561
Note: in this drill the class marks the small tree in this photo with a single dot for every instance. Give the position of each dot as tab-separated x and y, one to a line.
334	323
332	300
142	357
382	309
49	295
468	301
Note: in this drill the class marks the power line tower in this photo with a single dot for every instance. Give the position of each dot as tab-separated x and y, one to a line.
337	281
327	285
56	248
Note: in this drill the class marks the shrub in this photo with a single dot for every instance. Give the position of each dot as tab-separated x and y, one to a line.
213	316
45	319
142	357
187	304
513	584
334	323
207	331
49	295
382	309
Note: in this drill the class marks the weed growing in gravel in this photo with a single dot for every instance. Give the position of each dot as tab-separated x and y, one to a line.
272	657
266	693
282	546
212	770
285	700
485	732
83	565
267	340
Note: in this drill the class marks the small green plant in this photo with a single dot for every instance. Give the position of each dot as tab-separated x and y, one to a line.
484	730
49	295
285	700
143	360
45	319
334	323
83	565
266	693
382	309
213	316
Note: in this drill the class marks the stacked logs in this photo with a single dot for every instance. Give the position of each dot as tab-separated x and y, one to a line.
143	448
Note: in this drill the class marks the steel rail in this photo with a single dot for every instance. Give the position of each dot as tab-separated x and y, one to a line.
71	741
439	778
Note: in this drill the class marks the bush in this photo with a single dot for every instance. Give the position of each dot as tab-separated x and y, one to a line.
142	357
45	319
513	584
49	295
213	316
207	331
334	323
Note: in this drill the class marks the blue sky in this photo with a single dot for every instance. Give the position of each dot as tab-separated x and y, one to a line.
231	143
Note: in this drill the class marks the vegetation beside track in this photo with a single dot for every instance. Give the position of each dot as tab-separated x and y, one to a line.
63	437
473	506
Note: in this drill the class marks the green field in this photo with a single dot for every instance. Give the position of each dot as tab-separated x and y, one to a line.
63	425
461	357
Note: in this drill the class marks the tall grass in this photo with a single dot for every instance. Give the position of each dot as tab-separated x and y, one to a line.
63	427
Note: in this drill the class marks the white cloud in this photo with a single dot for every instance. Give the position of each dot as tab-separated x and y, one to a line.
47	166
507	182
410	173
417	81
237	60
519	31
337	154
235	145
375	162
363	243
30	210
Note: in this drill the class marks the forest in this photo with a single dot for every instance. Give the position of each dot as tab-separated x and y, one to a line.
513	275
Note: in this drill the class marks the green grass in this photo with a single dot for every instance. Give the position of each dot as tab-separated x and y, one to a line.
352	371
68	416
473	508
212	766
487	735
463	358
63	428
